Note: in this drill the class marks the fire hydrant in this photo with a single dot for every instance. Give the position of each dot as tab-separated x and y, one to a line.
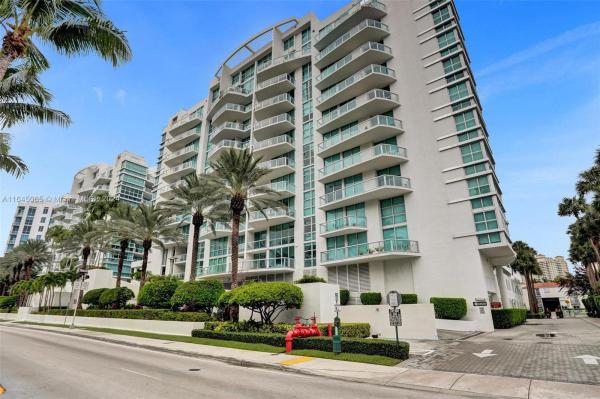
301	330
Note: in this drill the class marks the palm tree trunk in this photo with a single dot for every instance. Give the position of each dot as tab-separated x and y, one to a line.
147	245
197	221
234	311
530	294
5	61
86	253
124	245
60	298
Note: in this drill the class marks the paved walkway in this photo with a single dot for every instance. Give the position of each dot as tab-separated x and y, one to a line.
570	352
399	376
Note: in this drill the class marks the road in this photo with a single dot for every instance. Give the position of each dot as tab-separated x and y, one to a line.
43	365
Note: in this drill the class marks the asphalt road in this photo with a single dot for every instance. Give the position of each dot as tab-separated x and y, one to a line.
42	365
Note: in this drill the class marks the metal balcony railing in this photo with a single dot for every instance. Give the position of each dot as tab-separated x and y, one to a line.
378	120
368	185
371	248
363	156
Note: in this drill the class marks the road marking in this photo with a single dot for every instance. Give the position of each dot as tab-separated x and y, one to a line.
301	359
142	374
485	353
588	359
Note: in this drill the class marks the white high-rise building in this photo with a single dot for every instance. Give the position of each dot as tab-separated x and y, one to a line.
371	126
31	222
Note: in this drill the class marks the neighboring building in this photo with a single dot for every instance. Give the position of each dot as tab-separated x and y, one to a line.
511	288
31	222
552	268
371	126
552	297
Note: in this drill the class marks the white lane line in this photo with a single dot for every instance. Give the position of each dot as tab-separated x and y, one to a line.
142	374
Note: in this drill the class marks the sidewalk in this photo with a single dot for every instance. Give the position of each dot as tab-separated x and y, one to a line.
440	381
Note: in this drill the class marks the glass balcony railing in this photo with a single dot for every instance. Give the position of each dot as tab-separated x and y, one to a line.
367	23
278	187
275	80
357	102
276	163
371	69
284	138
353	55
371	248
357	5
273	121
284	58
235	144
271	213
363	156
274	100
375	183
256	245
379	120
242	127
190	133
231	107
271	263
343	222
185	150
183	166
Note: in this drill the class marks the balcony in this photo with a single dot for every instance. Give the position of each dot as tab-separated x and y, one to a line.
273	126
380	156
167	192
278	167
277	85
180	259
176	172
360	10
273	147
343	225
231	112
230	131
377	188
175	157
370	77
282	188
498	253
249	267
185	122
179	220
368	30
182	140
220	230
256	246
224	145
279	104
258	221
377	128
367	54
373	251
232	95
285	64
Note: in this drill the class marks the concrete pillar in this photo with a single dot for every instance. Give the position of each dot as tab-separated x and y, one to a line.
504	298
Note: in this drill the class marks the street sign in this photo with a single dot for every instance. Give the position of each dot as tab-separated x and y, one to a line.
480	302
395	317
394	299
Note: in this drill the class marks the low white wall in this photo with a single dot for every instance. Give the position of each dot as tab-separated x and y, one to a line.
418	320
456	325
8	316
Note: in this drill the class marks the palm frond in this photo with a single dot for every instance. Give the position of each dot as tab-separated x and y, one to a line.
10	163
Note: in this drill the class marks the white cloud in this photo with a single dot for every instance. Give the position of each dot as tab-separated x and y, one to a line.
99	93
120	96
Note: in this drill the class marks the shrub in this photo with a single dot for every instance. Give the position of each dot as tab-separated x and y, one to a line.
508	318
8	302
592	305
141	314
350	330
116	298
370	298
344	297
310	279
449	308
157	292
92	297
408	299
201	295
266	299
351	345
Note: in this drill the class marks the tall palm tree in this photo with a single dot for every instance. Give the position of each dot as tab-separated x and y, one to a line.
82	239
151	226
70	26
99	207
34	254
526	264
71	275
235	175
197	199
11	164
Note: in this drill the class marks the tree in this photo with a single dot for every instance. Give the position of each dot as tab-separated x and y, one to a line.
526	264
235	175
267	299
200	295
99	207
197	199
11	164
82	238
70	26
577	283
150	226
61	282
34	254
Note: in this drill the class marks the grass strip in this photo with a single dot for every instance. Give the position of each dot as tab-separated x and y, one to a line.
348	357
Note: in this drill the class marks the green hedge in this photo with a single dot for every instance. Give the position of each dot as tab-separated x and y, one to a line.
592	305
92	297
449	308
200	295
408	299
508	318
310	279
116	298
8	302
350	330
141	314
344	297
157	292
370	298
349	345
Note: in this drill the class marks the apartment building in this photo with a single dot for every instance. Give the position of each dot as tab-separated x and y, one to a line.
371	126
31	221
552	268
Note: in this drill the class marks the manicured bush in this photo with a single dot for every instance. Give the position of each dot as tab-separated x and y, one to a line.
408	299
8	302
449	308
592	305
350	345
508	318
350	330
198	295
92	297
310	279
116	298
141	314
268	300
370	298
157	292
344	297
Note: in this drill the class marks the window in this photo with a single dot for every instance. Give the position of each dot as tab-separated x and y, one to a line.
449	50
489	238
310	228
471	152
461	105
393	211
395	239
468	135
214	94
458	91
470	170
310	254
452	64
446	39
309	178
281	234
485	221
45	212
441	15
40	228
478	185
464	121
309	203
288	43
218	247
306	38
391	171
43	220
455	76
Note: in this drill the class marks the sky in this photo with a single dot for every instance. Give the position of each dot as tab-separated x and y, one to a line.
536	64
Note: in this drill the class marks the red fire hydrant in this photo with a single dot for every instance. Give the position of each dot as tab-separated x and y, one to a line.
301	330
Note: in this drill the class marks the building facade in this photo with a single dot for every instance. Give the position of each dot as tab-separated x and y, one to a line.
371	126
31	222
552	268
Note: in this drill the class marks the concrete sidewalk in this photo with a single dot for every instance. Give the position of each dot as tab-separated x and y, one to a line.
440	381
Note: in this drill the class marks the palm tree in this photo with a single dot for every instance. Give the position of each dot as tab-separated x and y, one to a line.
151	226
99	207
61	282
70	26
196	199
82	238
11	164
35	254
526	264
235	175
71	275
38	287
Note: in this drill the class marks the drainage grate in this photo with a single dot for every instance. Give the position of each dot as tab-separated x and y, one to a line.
193	369
546	335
